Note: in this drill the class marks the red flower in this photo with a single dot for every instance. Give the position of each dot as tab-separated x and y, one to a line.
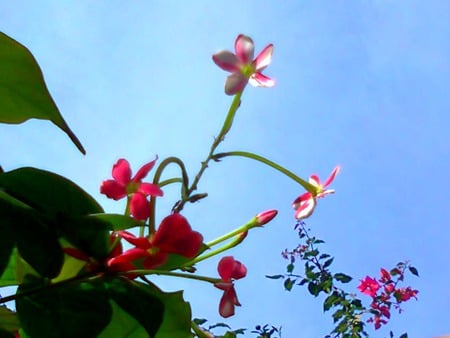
242	66
229	269
385	276
405	294
124	185
174	236
305	203
369	286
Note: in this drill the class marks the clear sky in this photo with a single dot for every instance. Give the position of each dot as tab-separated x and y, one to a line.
363	84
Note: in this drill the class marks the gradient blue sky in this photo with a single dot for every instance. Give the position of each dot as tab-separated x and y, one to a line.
363	84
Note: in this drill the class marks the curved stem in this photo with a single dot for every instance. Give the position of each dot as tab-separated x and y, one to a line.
308	186
225	128
184	184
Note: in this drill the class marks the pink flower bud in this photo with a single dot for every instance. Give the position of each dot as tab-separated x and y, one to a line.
266	216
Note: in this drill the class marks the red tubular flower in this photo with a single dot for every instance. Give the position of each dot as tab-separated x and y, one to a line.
229	269
242	66
369	286
124	185
304	204
174	236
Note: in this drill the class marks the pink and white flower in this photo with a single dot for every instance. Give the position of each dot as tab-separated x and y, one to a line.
243	67
304	204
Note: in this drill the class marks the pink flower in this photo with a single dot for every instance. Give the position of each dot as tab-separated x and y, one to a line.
174	236
369	286
405	294
229	269
242	66
305	203
385	276
266	216
124	185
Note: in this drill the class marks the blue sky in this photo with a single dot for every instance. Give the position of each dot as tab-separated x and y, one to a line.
363	84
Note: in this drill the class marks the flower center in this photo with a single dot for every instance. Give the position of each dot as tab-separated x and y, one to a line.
248	70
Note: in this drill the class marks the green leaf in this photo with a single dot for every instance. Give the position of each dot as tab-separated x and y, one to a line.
313	289
123	325
49	193
288	283
114	222
290	268
8	320
23	92
9	273
343	278
71	311
275	276
405	335
7	242
35	242
414	271
328	262
142	305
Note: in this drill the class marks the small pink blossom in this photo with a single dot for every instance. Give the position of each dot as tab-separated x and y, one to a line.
229	269
304	204
369	286
242	66
266	216
123	185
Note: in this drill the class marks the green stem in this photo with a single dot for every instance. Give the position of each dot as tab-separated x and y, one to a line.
233	233
225	128
174	274
237	240
308	186
199	332
184	184
170	181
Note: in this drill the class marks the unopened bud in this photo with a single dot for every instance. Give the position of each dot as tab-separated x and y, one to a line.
265	217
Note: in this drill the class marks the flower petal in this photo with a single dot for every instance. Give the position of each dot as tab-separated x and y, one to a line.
229	268
315	180
150	189
235	83
305	209
300	199
154	260
143	171
113	189
260	80
139	242
175	235
121	171
332	176
245	48
264	58
139	206
227	61
228	301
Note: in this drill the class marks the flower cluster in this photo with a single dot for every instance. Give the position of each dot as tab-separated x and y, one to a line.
385	293
173	236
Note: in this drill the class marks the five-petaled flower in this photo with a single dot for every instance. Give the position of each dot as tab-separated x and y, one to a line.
369	286
174	236
124	185
229	269
242	66
305	203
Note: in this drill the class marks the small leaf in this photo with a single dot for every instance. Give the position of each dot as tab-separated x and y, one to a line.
290	268
405	335
288	283
343	278
414	271
328	262
8	320
23	92
275	276
313	289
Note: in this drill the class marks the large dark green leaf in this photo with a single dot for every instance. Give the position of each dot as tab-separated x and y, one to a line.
8	321
71	311
134	298
49	193
23	92
35	242
123	325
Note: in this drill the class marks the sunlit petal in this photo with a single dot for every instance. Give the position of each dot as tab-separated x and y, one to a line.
245	48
